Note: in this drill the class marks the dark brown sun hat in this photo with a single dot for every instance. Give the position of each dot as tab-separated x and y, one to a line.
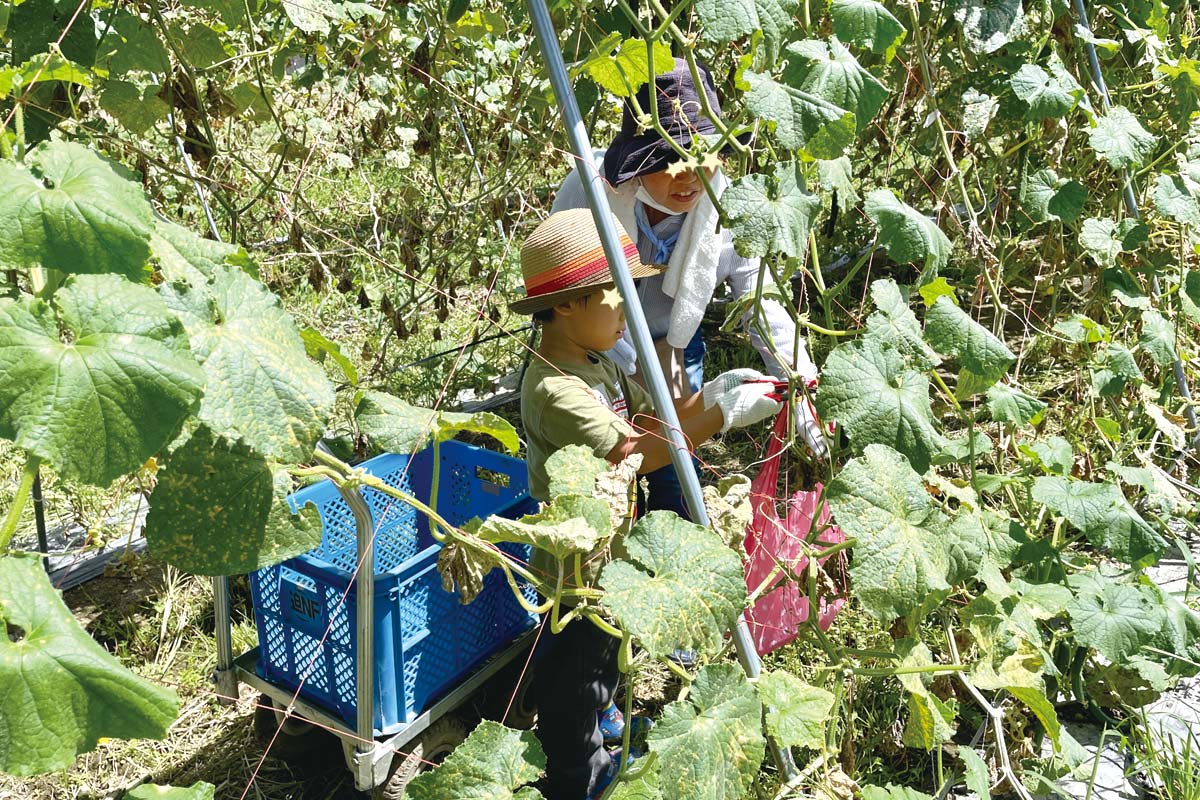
633	153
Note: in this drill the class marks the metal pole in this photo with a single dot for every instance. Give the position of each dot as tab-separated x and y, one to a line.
225	677
1131	205
39	520
635	318
364	696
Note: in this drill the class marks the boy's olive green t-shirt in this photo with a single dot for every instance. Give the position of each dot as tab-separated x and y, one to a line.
589	404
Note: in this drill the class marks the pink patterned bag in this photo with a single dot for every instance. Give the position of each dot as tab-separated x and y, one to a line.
776	618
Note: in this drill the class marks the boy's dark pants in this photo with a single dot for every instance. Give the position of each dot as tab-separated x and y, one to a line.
575	674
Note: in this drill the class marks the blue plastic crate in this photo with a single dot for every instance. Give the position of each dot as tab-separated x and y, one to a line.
425	640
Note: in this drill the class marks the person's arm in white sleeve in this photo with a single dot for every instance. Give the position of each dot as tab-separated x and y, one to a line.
742	277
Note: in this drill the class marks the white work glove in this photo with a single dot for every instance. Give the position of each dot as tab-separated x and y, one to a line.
726	382
747	404
809	427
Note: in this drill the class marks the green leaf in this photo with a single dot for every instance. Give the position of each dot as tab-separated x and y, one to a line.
261	386
69	210
1158	338
771	214
1044	197
1120	139
138	109
710	744
891	792
1175	198
62	691
724	21
623	73
318	347
803	121
893	323
492	764
977	538
1114	619
42	69
203	47
98	382
1080	329
930	722
181	255
939	287
837	175
983	358
1047	95
978	778
1101	512
1119	368
681	587
571	524
907	234
1011	405
134	46
398	427
988	25
221	509
867	23
1104	239
1055	454
831	72
900	556
978	111
645	787
197	791
877	399
796	711
573	470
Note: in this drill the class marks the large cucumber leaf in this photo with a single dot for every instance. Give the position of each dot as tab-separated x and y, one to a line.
220	509
867	388
710	745
983	359
894	323
797	712
494	763
99	381
396	426
62	691
831	72
867	23
70	210
908	235
682	587
803	120
1102	513
771	214
901	556
726	20
261	386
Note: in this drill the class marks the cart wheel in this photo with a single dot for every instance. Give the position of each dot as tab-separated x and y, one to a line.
509	696
428	749
297	740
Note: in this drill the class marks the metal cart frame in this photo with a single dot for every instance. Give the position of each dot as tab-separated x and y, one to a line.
368	758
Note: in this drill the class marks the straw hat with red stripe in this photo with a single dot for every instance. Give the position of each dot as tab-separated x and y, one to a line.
563	259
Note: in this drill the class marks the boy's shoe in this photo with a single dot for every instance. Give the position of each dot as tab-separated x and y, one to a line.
611	722
684	658
605	780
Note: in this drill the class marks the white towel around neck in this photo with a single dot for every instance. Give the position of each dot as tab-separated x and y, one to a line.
691	275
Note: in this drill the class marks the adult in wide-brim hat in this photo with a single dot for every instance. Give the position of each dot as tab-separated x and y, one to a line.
636	152
673	220
563	259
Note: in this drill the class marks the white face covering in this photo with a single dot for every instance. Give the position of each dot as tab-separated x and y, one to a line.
647	200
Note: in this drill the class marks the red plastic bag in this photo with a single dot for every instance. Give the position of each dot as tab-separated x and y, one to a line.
776	617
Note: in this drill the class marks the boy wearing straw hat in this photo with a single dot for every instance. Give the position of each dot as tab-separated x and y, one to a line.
573	395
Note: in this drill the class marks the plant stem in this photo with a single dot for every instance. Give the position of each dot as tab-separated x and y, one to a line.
28	474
